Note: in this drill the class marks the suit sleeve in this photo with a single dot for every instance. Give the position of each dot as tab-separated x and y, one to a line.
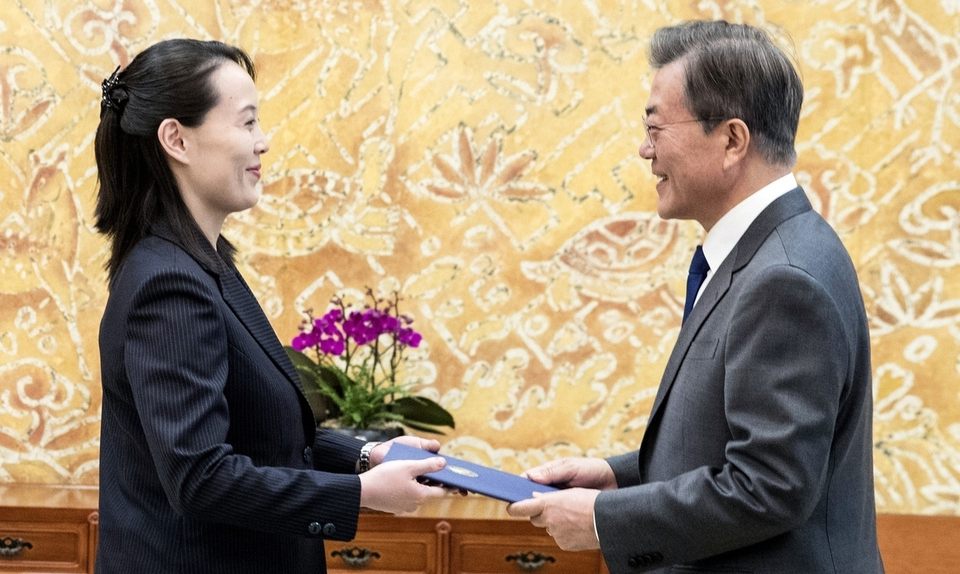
625	469
785	362
176	358
336	452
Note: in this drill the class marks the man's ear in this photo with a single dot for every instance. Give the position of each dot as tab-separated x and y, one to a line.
172	136
738	141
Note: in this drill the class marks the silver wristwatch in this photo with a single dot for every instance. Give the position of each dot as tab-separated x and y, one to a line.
363	465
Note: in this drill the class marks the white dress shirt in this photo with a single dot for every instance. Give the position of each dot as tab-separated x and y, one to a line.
728	230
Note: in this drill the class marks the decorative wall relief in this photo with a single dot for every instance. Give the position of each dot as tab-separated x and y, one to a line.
481	157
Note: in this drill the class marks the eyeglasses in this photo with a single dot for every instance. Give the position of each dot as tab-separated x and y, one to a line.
652	130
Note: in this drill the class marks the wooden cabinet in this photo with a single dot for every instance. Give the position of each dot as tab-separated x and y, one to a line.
47	529
53	529
478	552
470	535
916	544
408	547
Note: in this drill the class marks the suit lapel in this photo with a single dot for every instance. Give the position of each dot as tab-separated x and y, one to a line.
239	297
789	205
241	300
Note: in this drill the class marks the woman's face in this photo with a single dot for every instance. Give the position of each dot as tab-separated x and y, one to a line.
222	175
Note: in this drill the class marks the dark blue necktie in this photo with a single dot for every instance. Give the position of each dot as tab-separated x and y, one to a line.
698	272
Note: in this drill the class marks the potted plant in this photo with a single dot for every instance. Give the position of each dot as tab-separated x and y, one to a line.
350	362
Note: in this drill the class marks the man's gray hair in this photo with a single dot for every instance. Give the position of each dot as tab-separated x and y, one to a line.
736	71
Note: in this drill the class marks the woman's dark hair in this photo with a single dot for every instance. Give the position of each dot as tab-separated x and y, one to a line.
736	71
170	79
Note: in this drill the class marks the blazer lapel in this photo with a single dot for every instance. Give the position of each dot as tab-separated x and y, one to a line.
241	300
789	205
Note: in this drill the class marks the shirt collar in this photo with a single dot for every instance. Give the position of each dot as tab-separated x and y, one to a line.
728	230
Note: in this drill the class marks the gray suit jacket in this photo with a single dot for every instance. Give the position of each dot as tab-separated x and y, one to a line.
210	460
757	455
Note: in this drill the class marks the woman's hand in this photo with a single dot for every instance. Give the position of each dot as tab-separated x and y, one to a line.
380	451
393	486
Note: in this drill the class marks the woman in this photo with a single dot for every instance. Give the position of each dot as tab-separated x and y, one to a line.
210	461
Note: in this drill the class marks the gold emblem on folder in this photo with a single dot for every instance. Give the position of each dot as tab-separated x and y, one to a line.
462	471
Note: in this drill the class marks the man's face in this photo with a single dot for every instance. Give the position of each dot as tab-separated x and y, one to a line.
688	162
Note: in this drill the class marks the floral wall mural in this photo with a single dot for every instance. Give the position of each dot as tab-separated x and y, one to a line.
481	157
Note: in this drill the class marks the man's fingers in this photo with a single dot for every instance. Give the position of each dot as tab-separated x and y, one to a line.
538	474
544	474
554	472
526	508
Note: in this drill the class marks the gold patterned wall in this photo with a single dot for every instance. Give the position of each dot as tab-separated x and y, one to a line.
482	157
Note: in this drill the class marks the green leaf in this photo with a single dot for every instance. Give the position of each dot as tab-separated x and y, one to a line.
355	400
304	366
321	402
422	427
334	381
423	411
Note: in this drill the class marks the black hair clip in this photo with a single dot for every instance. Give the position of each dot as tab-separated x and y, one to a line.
114	92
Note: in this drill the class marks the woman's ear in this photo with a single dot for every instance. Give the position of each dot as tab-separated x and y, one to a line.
171	134
738	141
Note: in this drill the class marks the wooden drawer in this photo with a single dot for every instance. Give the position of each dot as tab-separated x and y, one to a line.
44	547
495	553
400	552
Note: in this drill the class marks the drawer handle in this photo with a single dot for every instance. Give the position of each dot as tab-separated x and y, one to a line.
530	561
10	547
356	557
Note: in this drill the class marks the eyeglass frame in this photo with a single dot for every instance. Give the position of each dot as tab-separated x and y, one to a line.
647	126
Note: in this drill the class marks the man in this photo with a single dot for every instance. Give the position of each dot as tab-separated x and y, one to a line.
757	454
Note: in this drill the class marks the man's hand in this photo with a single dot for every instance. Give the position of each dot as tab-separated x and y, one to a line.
567	516
567	472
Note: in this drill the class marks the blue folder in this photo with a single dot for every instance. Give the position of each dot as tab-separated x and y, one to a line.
472	477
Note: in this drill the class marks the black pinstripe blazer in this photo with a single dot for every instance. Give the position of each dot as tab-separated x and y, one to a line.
210	461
